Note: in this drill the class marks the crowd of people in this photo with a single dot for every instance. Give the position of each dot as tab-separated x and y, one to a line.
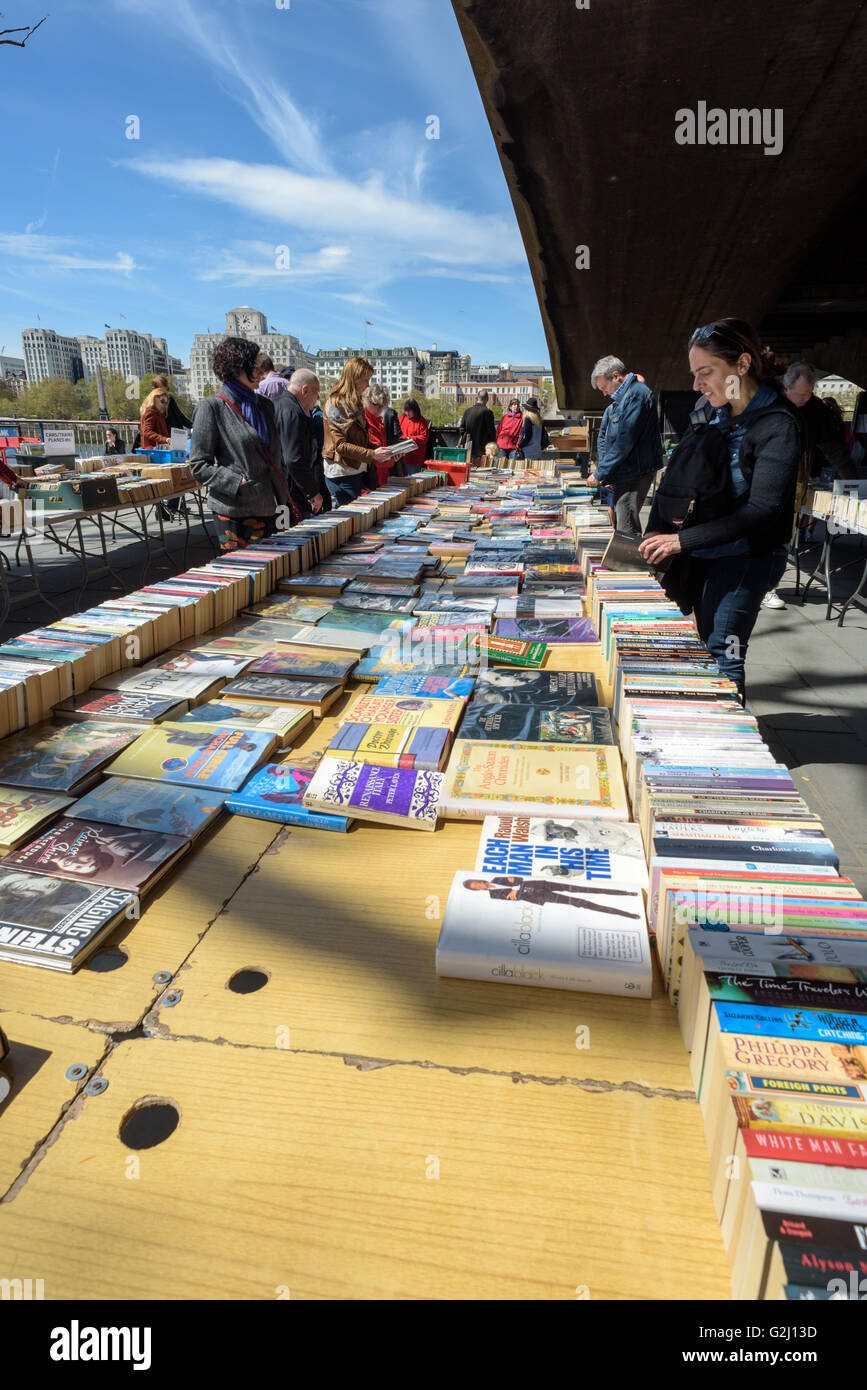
263	444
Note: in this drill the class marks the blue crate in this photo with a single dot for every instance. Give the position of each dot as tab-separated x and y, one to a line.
165	455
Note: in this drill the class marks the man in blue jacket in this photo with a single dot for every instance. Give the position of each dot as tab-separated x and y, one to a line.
629	447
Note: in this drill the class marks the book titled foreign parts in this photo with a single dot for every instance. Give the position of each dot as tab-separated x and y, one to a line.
55	923
391	795
276	793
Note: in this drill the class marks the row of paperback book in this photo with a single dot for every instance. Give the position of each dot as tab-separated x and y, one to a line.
762	949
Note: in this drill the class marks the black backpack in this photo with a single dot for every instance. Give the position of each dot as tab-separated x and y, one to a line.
696	485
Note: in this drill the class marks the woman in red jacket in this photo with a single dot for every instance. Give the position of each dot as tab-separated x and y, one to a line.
413	425
509	429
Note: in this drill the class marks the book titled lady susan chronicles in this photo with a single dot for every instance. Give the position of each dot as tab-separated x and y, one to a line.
567	780
545	932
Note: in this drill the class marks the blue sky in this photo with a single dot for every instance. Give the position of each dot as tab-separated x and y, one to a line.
260	127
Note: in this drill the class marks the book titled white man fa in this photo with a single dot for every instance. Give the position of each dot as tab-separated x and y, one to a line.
77	1343
549	933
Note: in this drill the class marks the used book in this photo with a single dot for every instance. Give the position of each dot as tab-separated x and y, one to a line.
221	759
548	689
56	923
171	810
584	851
392	745
276	793
23	812
318	695
547	630
573	781
398	796
109	855
123	706
537	725
545	932
62	759
285	722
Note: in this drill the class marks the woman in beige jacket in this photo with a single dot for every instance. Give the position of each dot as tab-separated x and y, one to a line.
346	452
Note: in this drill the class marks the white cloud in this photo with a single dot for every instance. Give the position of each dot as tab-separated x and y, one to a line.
243	67
49	252
337	206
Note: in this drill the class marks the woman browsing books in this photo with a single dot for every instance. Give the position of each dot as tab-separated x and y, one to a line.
347	450
744	441
235	450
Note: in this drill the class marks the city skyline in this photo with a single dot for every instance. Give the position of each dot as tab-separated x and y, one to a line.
371	202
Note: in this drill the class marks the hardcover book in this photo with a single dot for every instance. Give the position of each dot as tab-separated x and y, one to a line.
276	793
548	630
528	724
111	856
585	851
546	932
543	689
184	811
392	745
220	759
62	759
53	922
570	781
365	791
406	710
429	686
23	812
301	665
317	695
285	722
123	706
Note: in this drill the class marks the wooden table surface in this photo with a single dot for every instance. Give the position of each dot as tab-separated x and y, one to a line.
356	1127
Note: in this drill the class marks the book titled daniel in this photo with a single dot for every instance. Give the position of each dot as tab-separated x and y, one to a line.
545	932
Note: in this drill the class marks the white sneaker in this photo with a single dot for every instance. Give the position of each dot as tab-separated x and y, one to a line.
772	600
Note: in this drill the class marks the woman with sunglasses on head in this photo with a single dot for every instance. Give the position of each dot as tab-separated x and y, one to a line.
737	557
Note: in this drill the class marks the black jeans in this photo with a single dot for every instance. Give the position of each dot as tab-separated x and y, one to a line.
727	595
345	489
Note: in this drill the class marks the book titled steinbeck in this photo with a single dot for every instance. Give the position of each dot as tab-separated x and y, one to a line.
54	923
545	932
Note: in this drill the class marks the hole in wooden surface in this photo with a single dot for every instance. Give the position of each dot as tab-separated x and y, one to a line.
110	959
150	1122
248	981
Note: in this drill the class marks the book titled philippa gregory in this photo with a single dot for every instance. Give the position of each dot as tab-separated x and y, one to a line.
392	795
549	933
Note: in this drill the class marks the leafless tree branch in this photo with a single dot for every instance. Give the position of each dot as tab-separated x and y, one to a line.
27	29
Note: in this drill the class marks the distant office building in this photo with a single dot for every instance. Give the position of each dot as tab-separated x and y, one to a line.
400	369
92	354
126	352
502	384
48	354
285	350
13	372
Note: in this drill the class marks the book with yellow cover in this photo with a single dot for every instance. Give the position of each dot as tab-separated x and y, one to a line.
392	745
410	710
201	756
572	781
286	722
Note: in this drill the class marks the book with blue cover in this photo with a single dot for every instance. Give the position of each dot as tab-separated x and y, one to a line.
427	684
275	793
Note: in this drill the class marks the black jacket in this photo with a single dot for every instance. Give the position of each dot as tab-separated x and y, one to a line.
175	417
477	425
118	448
301	447
769	456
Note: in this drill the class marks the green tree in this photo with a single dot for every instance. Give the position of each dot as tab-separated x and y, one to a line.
52	399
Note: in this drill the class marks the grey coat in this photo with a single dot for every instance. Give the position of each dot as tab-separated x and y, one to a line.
224	449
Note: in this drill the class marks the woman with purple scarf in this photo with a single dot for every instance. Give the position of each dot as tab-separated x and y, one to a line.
235	451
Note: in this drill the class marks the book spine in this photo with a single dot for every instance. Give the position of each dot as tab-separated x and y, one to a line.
285	815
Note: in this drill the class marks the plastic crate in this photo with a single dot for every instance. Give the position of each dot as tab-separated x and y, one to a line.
451	455
165	455
457	473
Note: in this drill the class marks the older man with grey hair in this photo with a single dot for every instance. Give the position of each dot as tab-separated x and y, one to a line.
629	447
301	444
824	436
